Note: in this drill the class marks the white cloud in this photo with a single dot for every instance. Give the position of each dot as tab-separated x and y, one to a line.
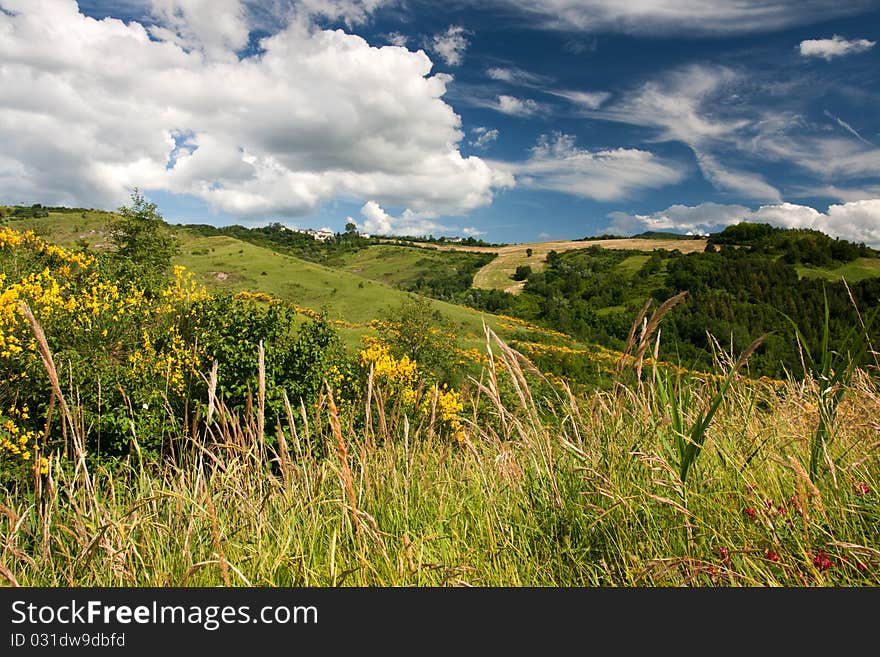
450	45
397	39
217	27
516	106
857	221
676	17
473	232
483	137
350	12
836	46
379	222
744	183
845	194
686	105
591	100
91	109
515	75
846	126
557	164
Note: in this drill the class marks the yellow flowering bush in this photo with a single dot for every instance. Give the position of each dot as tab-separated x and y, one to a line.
401	378
103	335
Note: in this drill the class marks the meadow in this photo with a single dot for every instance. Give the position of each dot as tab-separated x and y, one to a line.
184	430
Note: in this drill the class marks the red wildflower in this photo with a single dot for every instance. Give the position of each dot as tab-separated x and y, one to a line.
751	513
862	488
862	568
769	504
724	552
771	555
822	561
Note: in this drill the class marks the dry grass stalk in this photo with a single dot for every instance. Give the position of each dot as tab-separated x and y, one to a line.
212	392
631	338
342	451
215	534
652	325
261	400
49	366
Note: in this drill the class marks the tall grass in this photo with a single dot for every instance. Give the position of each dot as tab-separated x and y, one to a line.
548	489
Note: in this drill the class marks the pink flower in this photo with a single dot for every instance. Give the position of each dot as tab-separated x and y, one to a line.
862	488
751	513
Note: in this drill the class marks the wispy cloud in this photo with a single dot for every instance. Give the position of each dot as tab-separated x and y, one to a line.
591	100
482	137
836	46
556	164
517	76
517	106
683	106
397	39
699	17
846	126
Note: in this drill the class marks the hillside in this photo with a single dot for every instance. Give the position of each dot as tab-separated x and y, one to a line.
361	289
177	437
575	293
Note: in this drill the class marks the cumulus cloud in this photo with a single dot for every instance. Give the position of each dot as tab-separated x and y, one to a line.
483	136
702	17
378	221
836	46
450	45
473	232
217	27
93	108
557	164
857	221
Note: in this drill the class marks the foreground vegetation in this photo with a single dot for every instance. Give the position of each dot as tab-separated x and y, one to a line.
538	492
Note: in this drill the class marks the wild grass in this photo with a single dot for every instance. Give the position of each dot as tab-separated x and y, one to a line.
548	489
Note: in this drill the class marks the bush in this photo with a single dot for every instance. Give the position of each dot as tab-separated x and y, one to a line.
522	273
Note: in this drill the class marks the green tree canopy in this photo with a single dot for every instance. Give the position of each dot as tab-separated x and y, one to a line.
144	244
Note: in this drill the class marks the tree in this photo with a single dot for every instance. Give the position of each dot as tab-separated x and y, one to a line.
418	330
522	273
350	227
144	245
529	253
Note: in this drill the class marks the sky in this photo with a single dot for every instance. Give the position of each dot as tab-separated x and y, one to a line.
508	120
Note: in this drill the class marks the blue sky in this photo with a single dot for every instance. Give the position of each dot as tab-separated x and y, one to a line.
510	120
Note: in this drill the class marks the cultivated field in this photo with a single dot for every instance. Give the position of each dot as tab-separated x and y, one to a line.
497	274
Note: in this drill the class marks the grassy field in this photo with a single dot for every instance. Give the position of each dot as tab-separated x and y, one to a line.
853	272
545	490
403	266
226	264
